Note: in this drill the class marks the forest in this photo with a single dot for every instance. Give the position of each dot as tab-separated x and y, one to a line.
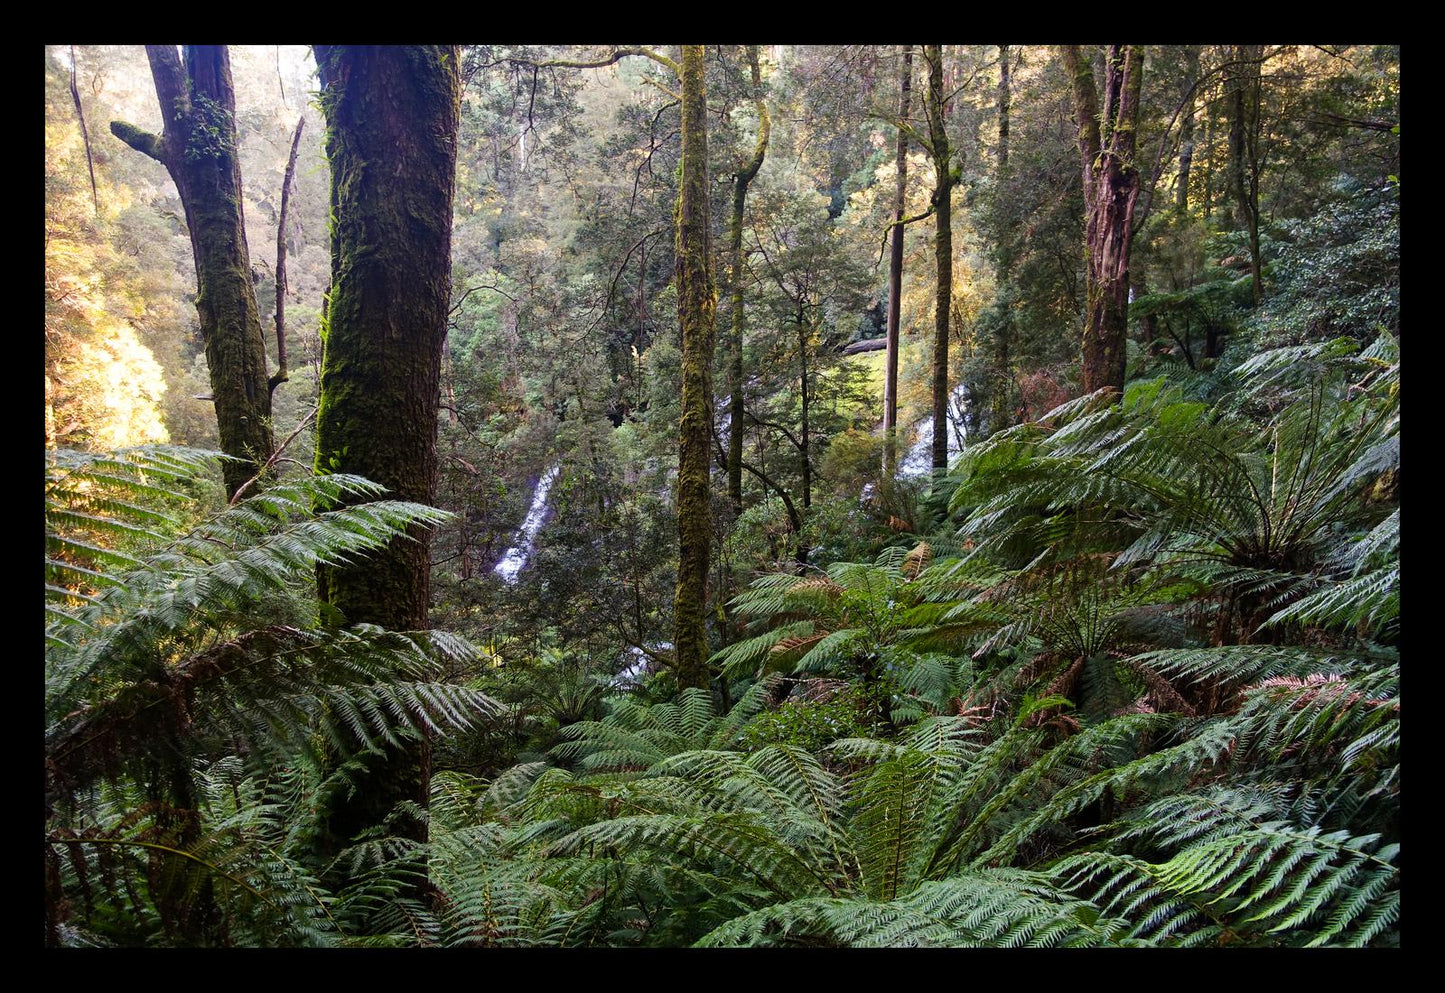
546	496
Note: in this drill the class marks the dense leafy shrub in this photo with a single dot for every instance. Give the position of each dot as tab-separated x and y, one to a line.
811	724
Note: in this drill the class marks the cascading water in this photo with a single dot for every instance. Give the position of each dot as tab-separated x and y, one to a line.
638	662
919	460
516	558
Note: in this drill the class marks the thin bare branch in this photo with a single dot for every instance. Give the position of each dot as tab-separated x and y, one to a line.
275	457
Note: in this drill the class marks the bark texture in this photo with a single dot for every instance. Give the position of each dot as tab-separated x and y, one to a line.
942	249
84	132
1244	129
198	149
895	275
282	373
1237	84
1111	188
805	395
1186	129
696	304
741	181
1003	260
391	114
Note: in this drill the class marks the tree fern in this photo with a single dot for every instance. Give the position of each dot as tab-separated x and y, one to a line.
1176	486
994	908
637	736
198	649
101	510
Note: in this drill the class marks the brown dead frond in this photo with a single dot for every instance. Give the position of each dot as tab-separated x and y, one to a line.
917	560
819	584
970	709
1164	696
799	644
1064	683
1036	667
1317	686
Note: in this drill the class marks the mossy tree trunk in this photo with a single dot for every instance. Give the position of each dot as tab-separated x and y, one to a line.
392	115
1207	166
741	179
805	334
696	303
942	248
895	276
1244	126
1186	128
1003	259
1237	86
198	149
1111	188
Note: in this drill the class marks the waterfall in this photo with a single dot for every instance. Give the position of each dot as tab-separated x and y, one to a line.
918	462
637	667
516	558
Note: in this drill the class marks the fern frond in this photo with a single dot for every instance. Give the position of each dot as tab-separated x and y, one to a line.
917	560
747	656
742	840
997	908
1240	664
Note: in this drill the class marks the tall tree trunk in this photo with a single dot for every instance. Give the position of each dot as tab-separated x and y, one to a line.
741	179
198	149
803	388
895	275
1207	206
391	139
1005	98
1248	107
1004	257
1235	107
1111	187
696	304
942	248
84	132
1186	130
282	374
639	341
1146	327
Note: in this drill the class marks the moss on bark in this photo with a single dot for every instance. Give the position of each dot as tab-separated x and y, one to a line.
391	140
942	249
741	181
392	114
895	274
696	303
198	149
